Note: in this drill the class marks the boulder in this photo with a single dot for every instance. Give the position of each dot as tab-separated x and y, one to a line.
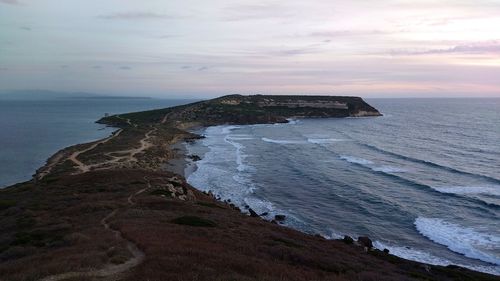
253	213
365	241
348	239
279	217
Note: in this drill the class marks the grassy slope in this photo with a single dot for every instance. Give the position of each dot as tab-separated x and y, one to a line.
56	223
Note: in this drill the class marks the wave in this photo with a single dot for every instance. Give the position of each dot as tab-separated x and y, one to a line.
356	160
291	121
370	164
462	240
238	138
421	256
394	172
228	129
240	156
284	141
429	163
324	141
465	190
389	169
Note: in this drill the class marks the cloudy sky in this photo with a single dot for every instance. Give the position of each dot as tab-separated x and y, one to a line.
380	48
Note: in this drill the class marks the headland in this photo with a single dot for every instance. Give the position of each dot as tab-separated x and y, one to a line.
108	211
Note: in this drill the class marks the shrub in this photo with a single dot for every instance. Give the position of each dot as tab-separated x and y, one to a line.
210	205
5	204
194	221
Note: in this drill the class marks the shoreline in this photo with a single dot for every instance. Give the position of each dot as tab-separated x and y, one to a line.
115	168
185	163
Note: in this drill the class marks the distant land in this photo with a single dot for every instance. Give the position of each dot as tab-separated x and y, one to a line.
108	210
48	95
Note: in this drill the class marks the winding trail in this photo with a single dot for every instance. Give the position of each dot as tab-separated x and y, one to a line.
127	120
165	118
145	144
110	269
47	169
74	157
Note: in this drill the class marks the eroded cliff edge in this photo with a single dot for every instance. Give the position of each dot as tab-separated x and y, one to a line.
238	109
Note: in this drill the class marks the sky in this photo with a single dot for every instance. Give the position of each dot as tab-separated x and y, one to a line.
199	48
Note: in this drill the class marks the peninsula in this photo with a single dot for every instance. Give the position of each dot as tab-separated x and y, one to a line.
107	210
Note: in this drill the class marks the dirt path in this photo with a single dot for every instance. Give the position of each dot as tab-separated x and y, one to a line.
126	155
47	169
127	120
83	168
111	269
74	157
145	144
165	118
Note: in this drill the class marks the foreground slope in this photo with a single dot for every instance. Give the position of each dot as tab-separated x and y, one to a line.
106	211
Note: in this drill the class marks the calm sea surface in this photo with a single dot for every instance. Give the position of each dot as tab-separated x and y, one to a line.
422	181
31	131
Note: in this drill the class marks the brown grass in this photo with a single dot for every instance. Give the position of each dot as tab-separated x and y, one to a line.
56	226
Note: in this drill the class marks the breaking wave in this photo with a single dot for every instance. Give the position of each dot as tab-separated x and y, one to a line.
283	141
462	240
470	190
421	256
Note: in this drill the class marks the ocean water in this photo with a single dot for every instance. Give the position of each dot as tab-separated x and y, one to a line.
33	130
422	181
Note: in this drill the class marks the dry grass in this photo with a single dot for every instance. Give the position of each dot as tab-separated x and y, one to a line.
56	226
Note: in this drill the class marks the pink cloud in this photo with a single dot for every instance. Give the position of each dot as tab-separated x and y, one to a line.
491	47
10	2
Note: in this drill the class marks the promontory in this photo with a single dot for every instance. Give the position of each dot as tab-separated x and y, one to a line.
107	210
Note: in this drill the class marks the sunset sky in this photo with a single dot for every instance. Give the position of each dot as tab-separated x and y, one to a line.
198	48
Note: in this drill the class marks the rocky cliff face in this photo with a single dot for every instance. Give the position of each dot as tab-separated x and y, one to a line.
238	109
302	106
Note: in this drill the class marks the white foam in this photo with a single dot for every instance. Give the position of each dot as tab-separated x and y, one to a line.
224	171
488	190
421	256
331	235
284	141
356	160
238	137
389	169
240	156
324	141
292	121
228	129
411	254
459	239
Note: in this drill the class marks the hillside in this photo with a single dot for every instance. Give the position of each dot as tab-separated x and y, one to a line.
107	211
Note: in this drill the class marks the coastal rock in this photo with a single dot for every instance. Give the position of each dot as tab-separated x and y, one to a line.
279	217
194	157
348	239
365	242
253	213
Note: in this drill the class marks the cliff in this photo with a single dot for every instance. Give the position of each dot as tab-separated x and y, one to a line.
238	109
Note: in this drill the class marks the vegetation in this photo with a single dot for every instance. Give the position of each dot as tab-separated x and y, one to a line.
5	204
194	221
72	220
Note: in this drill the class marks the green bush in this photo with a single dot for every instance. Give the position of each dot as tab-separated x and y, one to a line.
5	204
194	221
210	205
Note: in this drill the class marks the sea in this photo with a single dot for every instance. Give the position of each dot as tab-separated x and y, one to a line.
33	130
423	181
